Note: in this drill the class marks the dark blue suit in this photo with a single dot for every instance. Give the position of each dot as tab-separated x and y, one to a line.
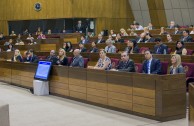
155	67
161	49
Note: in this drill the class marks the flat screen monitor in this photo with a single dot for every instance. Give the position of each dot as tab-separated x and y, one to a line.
43	70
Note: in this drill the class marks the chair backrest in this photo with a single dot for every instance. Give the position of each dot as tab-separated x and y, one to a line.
143	49
138	67
164	67
70	59
189	52
189	69
41	57
169	50
114	62
86	62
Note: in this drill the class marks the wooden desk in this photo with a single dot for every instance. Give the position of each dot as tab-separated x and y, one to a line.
191	104
152	96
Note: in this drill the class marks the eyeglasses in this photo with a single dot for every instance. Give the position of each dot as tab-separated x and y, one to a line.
123	56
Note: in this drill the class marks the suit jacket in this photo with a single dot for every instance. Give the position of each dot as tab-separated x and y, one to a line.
178	69
187	39
120	40
18	59
63	62
178	33
80	29
77	62
135	49
52	59
139	41
85	41
127	67
111	49
150	40
83	50
155	67
161	49
100	41
94	50
33	59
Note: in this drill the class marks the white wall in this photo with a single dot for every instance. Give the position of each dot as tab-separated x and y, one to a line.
180	11
140	11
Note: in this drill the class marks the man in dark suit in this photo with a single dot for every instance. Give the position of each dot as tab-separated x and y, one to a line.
118	39
151	65
141	38
52	58
186	37
126	64
172	25
31	57
149	38
160	48
80	27
177	31
84	40
100	39
82	48
94	49
78	60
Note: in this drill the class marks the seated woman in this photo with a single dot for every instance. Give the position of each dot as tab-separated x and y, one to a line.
146	30
38	32
132	47
112	33
17	56
62	58
132	32
104	63
69	47
19	38
20	42
30	37
10	48
163	31
169	38
123	32
41	36
176	65
180	49
12	33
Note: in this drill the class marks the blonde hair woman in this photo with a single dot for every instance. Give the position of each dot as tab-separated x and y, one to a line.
17	56
123	32
62	59
176	64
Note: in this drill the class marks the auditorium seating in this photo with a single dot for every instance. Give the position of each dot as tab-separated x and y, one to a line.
86	62
138	67
115	62
189	52
191	104
143	49
70	59
189	70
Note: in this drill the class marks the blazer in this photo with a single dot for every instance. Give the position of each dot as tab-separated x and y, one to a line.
139	41
179	69
187	39
155	67
135	49
83	50
178	33
18	59
129	66
150	40
162	49
100	41
33	59
63	62
52	59
85	41
111	49
120	40
78	62
94	50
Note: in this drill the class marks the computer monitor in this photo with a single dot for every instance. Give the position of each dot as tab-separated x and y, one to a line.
43	70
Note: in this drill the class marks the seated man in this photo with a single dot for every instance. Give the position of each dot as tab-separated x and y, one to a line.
125	64
30	57
100	39
93	49
151	65
78	60
160	48
110	48
52	58
118	39
84	40
186	37
141	38
82	48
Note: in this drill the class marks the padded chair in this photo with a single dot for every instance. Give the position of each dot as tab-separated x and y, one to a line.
189	52
169	50
138	67
86	62
115	62
164	67
70	59
42	57
143	49
189	70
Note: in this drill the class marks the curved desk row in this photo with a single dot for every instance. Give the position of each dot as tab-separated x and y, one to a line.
152	96
191	102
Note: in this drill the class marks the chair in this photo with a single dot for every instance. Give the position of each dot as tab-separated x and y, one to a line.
189	70
143	49
164	67
138	67
169	50
70	59
189	52
86	62
42	57
115	62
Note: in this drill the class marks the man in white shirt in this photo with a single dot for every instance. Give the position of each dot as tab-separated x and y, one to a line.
138	26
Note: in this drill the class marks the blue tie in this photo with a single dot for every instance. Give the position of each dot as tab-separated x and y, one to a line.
148	62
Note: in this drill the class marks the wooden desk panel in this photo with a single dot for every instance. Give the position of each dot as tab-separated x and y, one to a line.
191	104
